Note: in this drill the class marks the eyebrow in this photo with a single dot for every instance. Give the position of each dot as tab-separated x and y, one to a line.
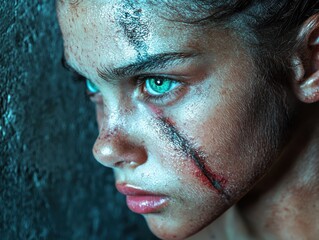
148	63
145	64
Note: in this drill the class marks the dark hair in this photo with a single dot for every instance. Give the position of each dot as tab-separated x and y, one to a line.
270	27
269	20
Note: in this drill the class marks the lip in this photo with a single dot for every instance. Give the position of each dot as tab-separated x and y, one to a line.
141	201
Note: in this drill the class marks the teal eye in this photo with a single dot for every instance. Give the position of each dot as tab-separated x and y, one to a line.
91	87
159	86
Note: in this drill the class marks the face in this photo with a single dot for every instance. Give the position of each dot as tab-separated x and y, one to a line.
181	109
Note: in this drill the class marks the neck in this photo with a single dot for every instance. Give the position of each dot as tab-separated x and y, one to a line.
285	204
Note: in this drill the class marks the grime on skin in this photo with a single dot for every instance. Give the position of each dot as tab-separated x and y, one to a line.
184	145
168	149
135	29
202	145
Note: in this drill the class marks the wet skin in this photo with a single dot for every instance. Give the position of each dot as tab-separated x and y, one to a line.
227	138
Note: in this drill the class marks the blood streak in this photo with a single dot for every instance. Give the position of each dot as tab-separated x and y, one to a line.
198	157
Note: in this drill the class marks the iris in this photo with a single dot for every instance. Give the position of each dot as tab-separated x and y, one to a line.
159	86
91	87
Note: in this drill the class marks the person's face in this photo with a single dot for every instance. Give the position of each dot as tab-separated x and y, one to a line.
185	121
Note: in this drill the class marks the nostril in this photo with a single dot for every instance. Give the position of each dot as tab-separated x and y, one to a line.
121	164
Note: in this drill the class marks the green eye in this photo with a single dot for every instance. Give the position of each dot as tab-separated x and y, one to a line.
159	86
91	87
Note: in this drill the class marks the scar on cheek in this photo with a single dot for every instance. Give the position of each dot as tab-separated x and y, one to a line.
215	181
129	17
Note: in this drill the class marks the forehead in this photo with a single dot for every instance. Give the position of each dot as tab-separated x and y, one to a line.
115	33
129	18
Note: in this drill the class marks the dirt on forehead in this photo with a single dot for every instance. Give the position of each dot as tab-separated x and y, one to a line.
136	28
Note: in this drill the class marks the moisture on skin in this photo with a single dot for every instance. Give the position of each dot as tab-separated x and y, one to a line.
129	17
184	145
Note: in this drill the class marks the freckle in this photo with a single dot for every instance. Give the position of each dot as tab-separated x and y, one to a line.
224	91
95	150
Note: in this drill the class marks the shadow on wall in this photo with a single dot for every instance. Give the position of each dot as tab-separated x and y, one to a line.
50	186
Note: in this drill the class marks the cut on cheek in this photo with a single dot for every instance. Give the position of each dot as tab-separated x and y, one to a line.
209	178
198	160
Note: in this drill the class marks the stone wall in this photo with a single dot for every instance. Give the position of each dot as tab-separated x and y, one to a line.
50	185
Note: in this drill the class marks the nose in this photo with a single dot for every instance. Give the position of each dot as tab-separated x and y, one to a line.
115	149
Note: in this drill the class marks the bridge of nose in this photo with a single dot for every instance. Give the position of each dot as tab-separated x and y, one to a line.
121	138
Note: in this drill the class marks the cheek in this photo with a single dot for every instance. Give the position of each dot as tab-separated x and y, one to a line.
208	178
235	142
241	150
188	158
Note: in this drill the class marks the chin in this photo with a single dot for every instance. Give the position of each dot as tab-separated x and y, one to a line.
167	229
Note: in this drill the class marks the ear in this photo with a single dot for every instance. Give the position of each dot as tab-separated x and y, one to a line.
306	64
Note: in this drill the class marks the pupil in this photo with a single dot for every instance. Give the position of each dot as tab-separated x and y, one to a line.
159	82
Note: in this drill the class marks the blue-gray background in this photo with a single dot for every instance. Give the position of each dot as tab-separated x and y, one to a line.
50	185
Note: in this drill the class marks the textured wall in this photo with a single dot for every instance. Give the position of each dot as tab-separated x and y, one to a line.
50	186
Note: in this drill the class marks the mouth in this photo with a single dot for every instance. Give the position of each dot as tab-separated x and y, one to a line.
141	201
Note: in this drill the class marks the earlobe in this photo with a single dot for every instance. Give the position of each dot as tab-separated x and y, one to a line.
306	66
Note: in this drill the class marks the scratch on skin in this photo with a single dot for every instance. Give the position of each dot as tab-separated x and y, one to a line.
129	17
186	147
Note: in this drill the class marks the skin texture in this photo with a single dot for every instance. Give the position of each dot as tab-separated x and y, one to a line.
204	145
129	17
198	158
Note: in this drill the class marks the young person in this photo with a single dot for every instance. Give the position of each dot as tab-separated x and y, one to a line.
207	111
